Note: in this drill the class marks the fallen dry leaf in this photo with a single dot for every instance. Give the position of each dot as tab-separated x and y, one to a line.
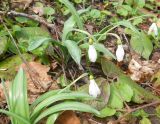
21	3
68	117
38	10
142	70
38	80
2	96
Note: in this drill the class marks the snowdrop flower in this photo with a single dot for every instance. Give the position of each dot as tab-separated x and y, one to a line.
93	88
92	53
120	52
153	28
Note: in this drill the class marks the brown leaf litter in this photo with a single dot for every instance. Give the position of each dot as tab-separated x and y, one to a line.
38	81
142	70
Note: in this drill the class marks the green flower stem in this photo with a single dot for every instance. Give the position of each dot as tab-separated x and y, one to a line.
68	86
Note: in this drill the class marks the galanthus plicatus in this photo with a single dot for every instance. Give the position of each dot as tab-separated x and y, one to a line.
93	88
92	53
120	52
153	29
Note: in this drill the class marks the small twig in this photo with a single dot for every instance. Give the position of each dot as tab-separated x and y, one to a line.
33	17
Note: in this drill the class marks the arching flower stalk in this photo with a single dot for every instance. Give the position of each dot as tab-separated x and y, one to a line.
93	87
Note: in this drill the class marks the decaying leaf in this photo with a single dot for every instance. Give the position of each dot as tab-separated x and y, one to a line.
2	95
68	117
38	80
24	3
38	74
38	10
142	70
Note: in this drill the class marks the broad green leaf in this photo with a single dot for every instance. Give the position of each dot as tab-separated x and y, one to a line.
138	97
125	91
48	11
74	50
145	121
95	13
77	106
103	99
124	10
69	5
70	23
127	24
26	20
36	42
140	113
78	1
129	2
105	112
137	21
142	44
3	45
110	69
58	97
28	34
139	3
115	101
101	48
11	64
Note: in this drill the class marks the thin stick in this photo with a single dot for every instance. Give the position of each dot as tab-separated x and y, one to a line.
33	17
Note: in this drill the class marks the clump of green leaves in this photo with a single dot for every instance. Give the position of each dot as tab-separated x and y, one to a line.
48	105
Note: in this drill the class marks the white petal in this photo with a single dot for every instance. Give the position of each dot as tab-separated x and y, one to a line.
94	89
120	53
92	53
153	28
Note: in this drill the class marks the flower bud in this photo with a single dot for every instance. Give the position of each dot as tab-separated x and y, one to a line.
92	53
153	29
93	88
120	53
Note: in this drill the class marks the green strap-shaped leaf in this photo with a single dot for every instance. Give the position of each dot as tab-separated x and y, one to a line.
58	97
52	118
21	119
74	13
18	95
74	50
67	106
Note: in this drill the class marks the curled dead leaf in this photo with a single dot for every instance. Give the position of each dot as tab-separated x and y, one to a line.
68	117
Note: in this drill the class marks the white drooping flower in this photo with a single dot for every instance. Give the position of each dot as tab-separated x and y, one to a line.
120	53
93	88
153	29
92	53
